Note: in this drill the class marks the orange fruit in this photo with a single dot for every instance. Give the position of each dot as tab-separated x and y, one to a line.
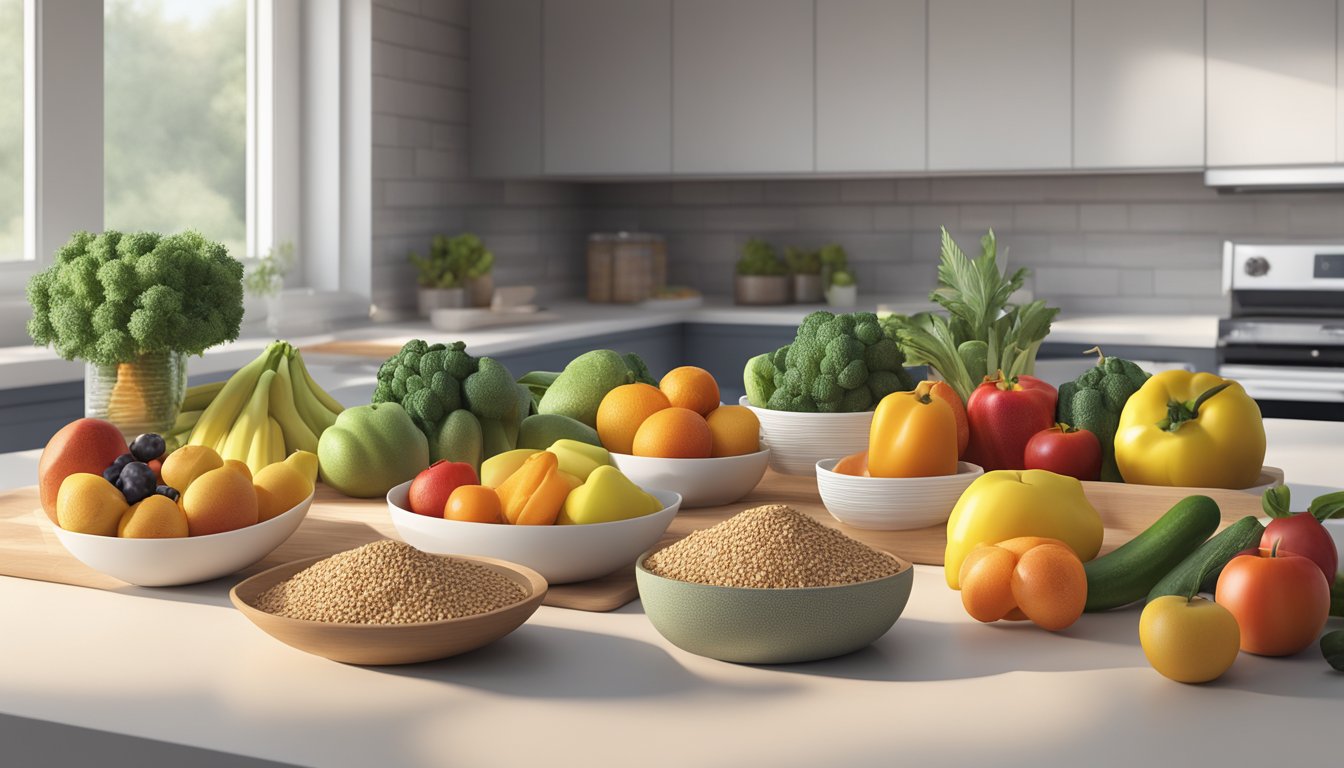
623	410
474	504
674	433
735	430
691	387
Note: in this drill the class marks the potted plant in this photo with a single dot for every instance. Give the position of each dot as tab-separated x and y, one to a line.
263	282
438	281
842	288
762	277
474	262
805	270
132	307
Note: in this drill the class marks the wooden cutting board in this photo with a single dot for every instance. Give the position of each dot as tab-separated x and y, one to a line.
29	549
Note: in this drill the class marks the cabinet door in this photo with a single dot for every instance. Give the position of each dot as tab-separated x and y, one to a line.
870	85
1271	93
505	80
742	85
608	86
1138	84
999	84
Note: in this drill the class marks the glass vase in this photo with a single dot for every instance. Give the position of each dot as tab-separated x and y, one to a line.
139	396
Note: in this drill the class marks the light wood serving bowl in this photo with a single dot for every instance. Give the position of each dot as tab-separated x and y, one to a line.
378	644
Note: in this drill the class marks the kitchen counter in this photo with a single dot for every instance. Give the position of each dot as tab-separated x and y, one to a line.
180	666
30	366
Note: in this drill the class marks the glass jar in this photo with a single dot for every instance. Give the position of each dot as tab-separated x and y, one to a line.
143	395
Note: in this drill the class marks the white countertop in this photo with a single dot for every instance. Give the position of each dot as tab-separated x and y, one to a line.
31	366
573	688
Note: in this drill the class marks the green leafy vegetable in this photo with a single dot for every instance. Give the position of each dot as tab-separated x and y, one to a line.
453	260
759	258
113	297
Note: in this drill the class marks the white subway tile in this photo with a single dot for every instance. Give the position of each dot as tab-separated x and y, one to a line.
834	218
811	191
749	219
393	162
440	164
1045	218
717	192
985	217
1076	281
1103	217
1136	282
868	191
894	218
1188	282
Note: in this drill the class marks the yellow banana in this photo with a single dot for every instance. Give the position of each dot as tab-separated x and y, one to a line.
323	397
217	419
201	395
252	424
278	448
259	451
314	413
298	436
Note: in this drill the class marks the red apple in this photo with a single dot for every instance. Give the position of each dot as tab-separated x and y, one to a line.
1302	534
431	488
1065	450
83	445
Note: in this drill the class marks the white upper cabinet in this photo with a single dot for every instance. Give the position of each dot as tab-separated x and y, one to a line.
1272	92
870	85
505	82
608	87
742	86
999	84
1138	84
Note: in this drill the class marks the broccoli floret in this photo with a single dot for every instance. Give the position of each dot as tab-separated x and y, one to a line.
843	363
420	378
111	298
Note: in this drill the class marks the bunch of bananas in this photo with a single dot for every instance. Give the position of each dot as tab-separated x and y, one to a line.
266	410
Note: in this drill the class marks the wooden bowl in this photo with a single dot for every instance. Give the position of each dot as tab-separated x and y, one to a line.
378	644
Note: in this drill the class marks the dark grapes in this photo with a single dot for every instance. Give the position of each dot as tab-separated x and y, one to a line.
171	493
147	447
137	481
112	474
122	461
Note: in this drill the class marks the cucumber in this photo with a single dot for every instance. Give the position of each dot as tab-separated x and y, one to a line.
1128	573
1332	648
1199	572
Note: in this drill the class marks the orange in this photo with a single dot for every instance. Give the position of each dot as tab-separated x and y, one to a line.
691	387
474	504
674	433
735	429
623	410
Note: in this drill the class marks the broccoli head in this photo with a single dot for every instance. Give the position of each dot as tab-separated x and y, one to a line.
113	297
836	364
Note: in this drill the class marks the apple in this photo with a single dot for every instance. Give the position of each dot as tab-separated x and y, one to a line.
431	488
1302	534
1065	450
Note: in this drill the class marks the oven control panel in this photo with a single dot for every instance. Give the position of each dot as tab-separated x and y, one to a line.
1253	267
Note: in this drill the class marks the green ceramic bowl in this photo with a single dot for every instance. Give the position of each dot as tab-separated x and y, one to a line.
772	626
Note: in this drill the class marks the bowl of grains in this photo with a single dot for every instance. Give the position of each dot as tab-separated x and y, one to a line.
389	603
892	503
772	585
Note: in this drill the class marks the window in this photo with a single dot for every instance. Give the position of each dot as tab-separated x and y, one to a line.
11	130
174	117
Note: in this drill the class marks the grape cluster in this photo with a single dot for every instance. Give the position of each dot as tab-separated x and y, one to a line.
132	475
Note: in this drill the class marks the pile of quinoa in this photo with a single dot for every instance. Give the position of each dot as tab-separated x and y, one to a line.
388	582
771	547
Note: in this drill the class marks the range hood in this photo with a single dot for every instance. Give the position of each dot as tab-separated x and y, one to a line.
1281	179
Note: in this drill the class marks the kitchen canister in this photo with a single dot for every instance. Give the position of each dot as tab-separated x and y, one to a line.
625	267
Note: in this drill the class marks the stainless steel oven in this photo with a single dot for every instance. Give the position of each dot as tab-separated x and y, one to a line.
1284	338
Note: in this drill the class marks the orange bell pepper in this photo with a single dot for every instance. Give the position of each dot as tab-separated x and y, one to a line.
535	492
914	434
944	391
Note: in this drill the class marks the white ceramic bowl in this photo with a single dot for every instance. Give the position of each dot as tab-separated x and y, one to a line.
892	503
700	482
174	562
561	553
797	441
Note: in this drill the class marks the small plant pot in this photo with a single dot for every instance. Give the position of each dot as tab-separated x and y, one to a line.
807	289
761	289
480	290
842	295
430	299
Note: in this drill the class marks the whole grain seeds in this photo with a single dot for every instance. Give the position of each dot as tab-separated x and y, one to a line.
771	547
388	582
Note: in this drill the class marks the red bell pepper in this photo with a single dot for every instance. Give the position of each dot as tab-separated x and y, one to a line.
1003	415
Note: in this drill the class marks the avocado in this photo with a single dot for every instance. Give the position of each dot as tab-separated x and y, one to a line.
539	432
579	389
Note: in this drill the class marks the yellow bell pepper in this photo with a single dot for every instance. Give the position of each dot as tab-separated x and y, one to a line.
914	434
534	494
1190	429
605	497
1009	503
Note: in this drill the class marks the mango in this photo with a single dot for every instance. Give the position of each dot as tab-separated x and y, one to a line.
187	463
155	517
579	459
306	463
83	445
221	500
280	487
607	496
87	503
496	469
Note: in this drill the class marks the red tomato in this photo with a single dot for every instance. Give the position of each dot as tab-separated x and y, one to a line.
1065	450
1302	534
431	488
1280	600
